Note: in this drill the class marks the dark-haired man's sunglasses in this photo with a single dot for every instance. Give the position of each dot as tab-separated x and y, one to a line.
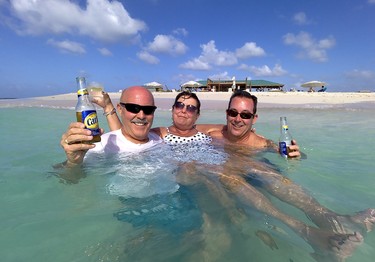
135	108
243	115
189	108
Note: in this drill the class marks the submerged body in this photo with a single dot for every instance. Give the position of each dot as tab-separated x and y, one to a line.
241	115
267	239
34	200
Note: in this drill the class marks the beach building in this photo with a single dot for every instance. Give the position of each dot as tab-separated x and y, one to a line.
154	88
228	85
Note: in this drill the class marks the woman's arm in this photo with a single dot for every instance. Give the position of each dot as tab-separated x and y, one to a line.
105	102
161	131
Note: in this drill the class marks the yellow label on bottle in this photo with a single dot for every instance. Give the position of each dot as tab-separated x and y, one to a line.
91	121
82	92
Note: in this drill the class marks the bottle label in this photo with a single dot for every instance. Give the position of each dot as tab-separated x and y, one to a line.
90	119
283	149
81	92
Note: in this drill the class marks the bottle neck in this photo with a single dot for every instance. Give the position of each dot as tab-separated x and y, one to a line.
283	124
82	93
81	87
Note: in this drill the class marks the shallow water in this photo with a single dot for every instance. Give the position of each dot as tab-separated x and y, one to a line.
43	218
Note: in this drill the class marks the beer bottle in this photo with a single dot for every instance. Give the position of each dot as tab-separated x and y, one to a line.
85	110
285	139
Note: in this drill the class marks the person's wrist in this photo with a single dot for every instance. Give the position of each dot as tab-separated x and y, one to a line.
108	107
109	112
70	164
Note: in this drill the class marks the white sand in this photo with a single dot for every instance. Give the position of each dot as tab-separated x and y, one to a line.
219	100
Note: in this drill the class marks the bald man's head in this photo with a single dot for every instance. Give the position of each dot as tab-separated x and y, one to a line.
137	95
136	110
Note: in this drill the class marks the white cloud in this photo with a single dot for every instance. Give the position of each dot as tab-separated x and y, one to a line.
243	67
265	70
167	44
249	50
326	43
147	57
221	76
311	48
105	51
182	78
371	1
180	31
210	56
102	19
68	46
196	64
301	18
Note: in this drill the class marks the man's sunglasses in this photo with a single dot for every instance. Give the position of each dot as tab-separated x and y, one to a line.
135	108
243	115
189	108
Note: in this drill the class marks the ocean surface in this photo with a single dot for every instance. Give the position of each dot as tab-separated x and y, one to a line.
119	212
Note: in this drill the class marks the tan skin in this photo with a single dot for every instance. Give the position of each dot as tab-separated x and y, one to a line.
135	126
183	120
218	131
238	131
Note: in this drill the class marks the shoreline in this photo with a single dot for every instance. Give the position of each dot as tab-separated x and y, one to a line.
219	100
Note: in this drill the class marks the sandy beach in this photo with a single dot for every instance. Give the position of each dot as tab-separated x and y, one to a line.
218	100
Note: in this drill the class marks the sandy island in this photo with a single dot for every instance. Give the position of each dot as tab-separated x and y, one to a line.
219	100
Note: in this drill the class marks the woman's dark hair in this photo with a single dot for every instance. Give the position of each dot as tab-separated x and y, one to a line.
243	93
188	94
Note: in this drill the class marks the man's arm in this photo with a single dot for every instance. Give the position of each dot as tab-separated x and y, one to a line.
75	143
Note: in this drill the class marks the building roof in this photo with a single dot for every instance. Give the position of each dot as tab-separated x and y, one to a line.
263	83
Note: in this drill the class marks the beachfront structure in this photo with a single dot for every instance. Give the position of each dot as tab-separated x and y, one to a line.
154	88
250	85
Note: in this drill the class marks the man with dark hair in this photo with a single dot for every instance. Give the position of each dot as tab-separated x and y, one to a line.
241	116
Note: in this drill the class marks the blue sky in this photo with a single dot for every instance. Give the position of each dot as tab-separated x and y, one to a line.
45	44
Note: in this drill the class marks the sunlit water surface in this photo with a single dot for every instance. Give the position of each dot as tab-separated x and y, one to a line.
133	209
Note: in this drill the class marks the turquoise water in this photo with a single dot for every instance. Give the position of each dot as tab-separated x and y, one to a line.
44	218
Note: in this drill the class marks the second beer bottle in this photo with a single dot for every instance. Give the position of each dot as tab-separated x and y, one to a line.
85	110
285	139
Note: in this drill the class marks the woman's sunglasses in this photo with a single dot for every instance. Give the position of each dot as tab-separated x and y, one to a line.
135	108
189	108
243	115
